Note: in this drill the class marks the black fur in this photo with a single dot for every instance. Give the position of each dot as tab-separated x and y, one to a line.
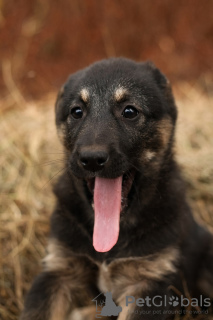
155	214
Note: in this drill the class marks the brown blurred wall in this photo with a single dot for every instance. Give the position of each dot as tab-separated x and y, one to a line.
42	41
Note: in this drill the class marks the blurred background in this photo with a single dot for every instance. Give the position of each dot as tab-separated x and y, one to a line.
44	41
41	42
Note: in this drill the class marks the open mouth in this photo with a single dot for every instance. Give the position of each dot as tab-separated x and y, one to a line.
110	197
127	181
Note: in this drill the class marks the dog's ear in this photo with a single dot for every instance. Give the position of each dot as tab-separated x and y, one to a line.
63	98
60	114
59	99
60	111
165	87
159	77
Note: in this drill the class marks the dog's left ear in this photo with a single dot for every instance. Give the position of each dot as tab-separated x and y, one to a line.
165	87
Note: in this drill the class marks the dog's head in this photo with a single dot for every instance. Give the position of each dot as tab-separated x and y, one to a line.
116	120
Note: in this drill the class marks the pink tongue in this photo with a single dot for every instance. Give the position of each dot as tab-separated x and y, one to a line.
107	206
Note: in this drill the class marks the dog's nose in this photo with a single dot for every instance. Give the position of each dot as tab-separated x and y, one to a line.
93	160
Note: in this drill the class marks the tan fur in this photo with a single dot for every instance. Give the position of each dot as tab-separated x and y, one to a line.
126	276
71	289
59	306
61	132
61	303
56	258
60	258
126	310
86	313
120	94
164	133
149	155
122	277
75	275
165	129
84	93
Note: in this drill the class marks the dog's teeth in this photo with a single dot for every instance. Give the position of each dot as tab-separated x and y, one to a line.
93	205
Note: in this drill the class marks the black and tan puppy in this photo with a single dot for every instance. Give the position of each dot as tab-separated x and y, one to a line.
121	224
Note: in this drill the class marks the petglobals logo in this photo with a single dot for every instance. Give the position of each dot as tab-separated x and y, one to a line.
106	307
163	301
174	301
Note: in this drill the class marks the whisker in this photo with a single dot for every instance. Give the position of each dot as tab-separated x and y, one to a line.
66	169
54	152
47	163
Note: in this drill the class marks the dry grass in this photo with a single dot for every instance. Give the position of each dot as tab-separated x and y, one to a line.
30	160
29	149
195	149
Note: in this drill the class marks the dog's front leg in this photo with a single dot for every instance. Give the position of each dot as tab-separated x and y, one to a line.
49	297
134	279
67	282
205	279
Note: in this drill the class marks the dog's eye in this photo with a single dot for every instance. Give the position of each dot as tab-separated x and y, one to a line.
76	112
130	112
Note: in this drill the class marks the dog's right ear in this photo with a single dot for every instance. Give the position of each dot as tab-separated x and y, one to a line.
60	114
59	100
60	109
63	98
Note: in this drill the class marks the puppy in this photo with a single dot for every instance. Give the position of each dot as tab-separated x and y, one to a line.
121	226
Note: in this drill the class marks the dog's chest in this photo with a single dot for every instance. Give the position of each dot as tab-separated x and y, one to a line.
131	275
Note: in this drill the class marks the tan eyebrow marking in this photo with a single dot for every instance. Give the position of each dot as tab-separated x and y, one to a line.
120	93
84	93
